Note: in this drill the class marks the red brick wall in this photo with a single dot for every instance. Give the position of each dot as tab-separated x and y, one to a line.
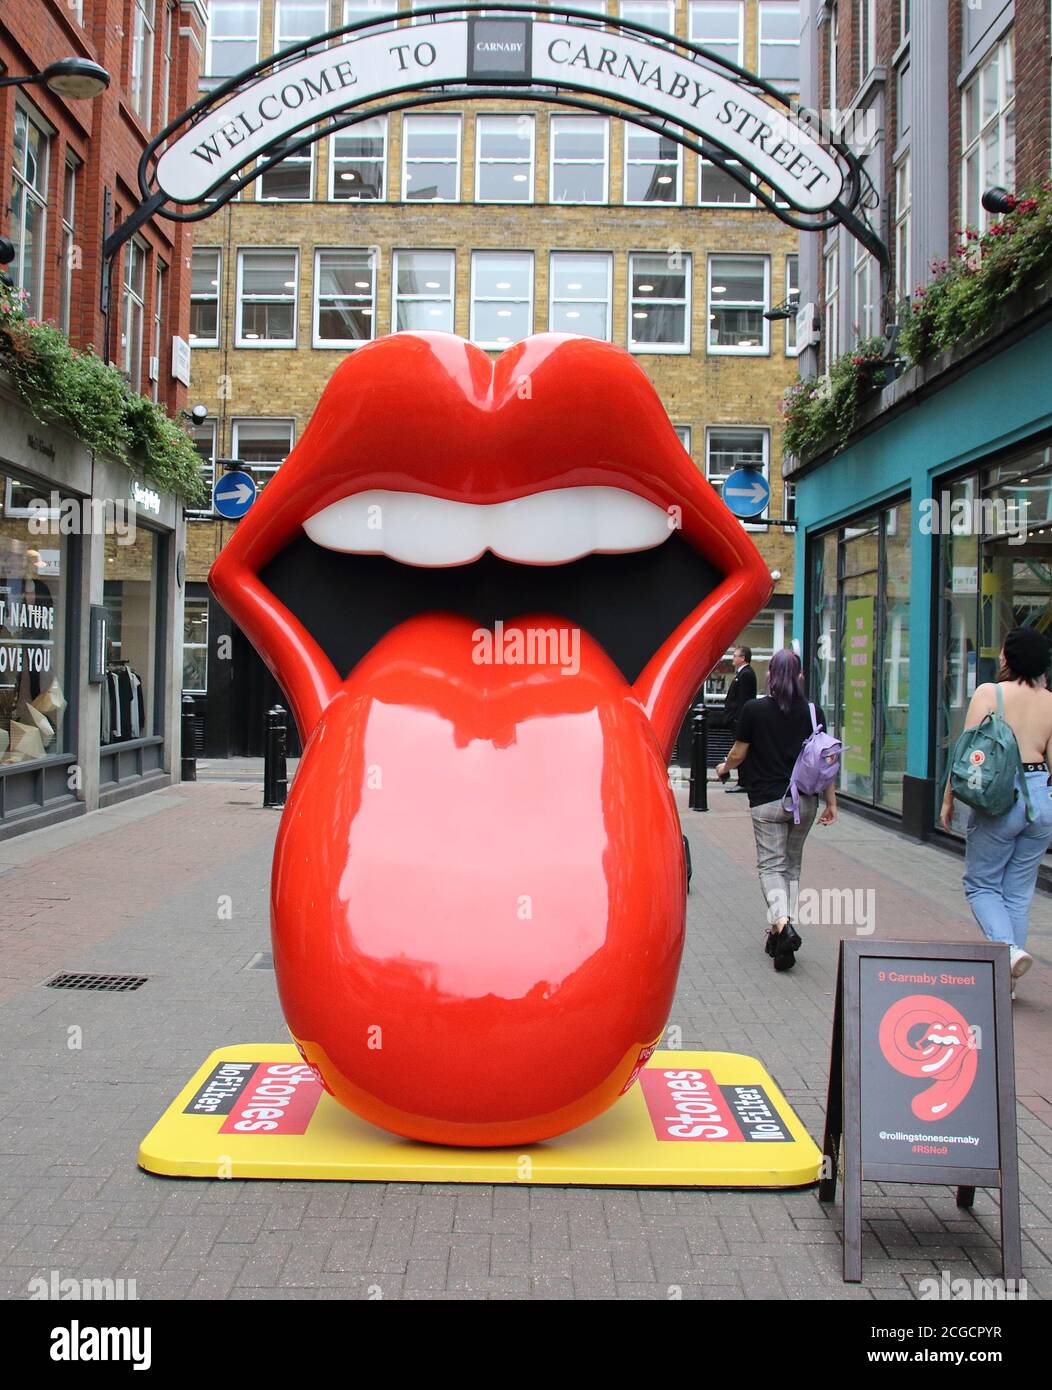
1032	103
108	138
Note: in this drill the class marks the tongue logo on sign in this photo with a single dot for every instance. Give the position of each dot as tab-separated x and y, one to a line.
479	887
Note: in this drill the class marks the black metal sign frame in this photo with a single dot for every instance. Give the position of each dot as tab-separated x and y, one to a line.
843	1140
848	210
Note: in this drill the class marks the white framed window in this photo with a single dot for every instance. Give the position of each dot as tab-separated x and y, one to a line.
716	187
140	86
291	180
233	37
792	295
298	20
166	61
683	433
431	159
659	302
865	37
69	242
263	445
579	291
28	224
203	437
160	283
659	14
579	151
988	134
501	297
504	148
195	644
903	208
424	285
267	297
778	43
355	10
344	297
720	26
739	296
831	303
653	166
789	504
865	278
903	99
205	276
133	302
358	162
730	447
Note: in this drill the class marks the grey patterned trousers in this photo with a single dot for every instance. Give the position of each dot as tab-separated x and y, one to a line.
780	852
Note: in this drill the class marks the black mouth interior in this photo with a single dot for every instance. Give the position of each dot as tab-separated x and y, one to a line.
628	604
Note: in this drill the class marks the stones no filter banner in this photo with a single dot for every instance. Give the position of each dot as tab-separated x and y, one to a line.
783	152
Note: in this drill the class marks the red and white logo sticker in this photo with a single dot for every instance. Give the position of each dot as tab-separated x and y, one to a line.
977	757
687	1105
280	1098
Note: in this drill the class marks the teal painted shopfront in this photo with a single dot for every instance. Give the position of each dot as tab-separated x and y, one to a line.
918	546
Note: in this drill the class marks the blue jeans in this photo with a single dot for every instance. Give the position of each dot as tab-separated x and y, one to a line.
1001	860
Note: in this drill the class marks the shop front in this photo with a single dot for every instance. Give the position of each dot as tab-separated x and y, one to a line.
920	545
90	606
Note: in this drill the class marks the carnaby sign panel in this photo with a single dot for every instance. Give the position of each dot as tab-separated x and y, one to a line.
928	1054
577	56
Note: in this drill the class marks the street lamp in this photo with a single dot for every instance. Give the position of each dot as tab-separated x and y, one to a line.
999	200
76	79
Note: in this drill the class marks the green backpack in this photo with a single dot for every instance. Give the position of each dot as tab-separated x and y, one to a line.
984	766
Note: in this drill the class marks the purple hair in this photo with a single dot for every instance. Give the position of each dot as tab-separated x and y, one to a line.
785	679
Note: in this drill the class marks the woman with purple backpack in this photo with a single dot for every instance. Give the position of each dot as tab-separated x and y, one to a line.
772	732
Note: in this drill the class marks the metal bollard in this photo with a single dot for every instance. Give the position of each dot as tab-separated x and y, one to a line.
187	733
699	763
275	773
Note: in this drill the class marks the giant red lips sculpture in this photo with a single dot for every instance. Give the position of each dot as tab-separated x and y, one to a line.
490	592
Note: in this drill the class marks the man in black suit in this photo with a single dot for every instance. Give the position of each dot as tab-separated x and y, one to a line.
741	689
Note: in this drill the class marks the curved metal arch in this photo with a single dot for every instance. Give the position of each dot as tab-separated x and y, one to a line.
590	104
842	212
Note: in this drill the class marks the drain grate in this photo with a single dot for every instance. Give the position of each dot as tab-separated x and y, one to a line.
117	984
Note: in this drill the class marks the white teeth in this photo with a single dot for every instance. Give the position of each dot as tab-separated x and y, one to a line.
546	528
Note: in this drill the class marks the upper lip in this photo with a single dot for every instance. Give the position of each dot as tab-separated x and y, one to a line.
429	414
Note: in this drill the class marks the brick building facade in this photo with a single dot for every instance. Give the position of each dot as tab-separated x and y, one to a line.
637	200
899	614
91	559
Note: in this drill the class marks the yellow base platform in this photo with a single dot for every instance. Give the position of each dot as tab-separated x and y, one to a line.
693	1119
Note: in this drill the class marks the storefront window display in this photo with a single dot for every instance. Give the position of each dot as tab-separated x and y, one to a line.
859	646
195	645
995	573
34	624
130	593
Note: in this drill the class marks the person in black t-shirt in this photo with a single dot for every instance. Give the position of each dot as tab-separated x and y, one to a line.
771	732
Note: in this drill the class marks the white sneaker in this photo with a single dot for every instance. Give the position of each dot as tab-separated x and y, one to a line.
1021	961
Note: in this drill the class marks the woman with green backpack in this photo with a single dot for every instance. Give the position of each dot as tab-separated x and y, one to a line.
1000	768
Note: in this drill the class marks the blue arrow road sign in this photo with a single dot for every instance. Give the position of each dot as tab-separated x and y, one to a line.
746	492
233	494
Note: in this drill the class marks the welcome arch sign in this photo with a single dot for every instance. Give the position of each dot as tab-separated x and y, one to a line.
554	54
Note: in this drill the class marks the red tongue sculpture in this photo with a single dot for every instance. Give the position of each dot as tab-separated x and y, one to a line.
481	866
478	889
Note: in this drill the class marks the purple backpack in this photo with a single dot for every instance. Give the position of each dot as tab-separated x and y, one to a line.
817	766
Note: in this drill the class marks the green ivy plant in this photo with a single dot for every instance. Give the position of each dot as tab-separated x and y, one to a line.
819	408
965	294
60	385
960	302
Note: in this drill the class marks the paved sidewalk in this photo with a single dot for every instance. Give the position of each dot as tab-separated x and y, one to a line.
142	888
